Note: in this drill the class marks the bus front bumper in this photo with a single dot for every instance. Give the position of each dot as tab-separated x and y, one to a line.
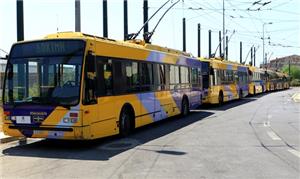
49	132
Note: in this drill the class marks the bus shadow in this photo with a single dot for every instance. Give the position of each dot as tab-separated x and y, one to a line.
233	104
106	148
228	105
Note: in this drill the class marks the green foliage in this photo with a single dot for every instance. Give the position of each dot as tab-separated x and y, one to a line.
295	82
295	71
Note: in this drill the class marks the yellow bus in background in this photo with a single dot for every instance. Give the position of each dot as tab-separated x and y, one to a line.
226	80
77	86
257	80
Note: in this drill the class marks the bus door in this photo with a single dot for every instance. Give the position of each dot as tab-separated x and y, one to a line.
147	96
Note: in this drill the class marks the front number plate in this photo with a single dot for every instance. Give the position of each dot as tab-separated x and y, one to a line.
23	119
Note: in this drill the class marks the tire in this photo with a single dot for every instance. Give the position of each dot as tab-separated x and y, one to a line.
254	92
185	107
125	123
221	98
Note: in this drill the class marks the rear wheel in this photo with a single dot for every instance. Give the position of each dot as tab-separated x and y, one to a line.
185	109
125	124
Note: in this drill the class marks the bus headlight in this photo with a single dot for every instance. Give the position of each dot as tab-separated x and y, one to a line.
70	120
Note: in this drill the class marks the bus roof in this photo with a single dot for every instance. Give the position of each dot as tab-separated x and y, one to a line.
133	43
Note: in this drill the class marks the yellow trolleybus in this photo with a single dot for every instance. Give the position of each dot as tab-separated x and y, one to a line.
226	81
77	86
257	80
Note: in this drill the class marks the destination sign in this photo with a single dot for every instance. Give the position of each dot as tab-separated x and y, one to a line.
48	48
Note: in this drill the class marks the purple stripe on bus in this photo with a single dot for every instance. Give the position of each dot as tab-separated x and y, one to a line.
151	104
155	57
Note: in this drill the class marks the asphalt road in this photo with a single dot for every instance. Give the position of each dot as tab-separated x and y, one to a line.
256	137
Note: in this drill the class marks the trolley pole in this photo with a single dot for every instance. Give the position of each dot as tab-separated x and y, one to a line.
199	40
183	35
105	29
77	16
125	20
209	44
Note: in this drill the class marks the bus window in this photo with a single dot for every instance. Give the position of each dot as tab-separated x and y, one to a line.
146	76
104	77
90	80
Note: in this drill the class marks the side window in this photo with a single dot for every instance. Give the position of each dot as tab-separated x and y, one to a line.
132	77
90	80
119	76
194	75
174	76
184	75
146	76
104	77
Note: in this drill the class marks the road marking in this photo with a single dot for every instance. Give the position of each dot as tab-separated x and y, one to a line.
296	97
273	135
295	152
267	124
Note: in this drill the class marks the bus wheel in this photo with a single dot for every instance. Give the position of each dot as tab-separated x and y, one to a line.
221	98
254	92
125	126
185	108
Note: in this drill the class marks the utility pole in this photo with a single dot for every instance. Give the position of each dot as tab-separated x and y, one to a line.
289	67
227	47
264	59
209	44
183	35
241	53
145	16
199	40
251	61
224	28
77	16
21	67
20	20
105	28
125	19
254	56
220	44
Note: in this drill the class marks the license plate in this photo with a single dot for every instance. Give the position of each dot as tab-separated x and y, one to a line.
23	119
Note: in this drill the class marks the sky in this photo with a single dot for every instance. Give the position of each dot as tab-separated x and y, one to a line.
244	21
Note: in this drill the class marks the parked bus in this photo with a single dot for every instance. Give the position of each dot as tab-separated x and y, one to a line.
77	86
226	81
257	80
272	78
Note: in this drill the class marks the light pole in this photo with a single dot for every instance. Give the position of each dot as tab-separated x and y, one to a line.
264	60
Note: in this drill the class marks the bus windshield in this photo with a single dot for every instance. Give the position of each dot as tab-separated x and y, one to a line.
44	72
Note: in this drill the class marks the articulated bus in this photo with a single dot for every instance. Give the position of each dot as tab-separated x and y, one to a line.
257	80
77	86
226	80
